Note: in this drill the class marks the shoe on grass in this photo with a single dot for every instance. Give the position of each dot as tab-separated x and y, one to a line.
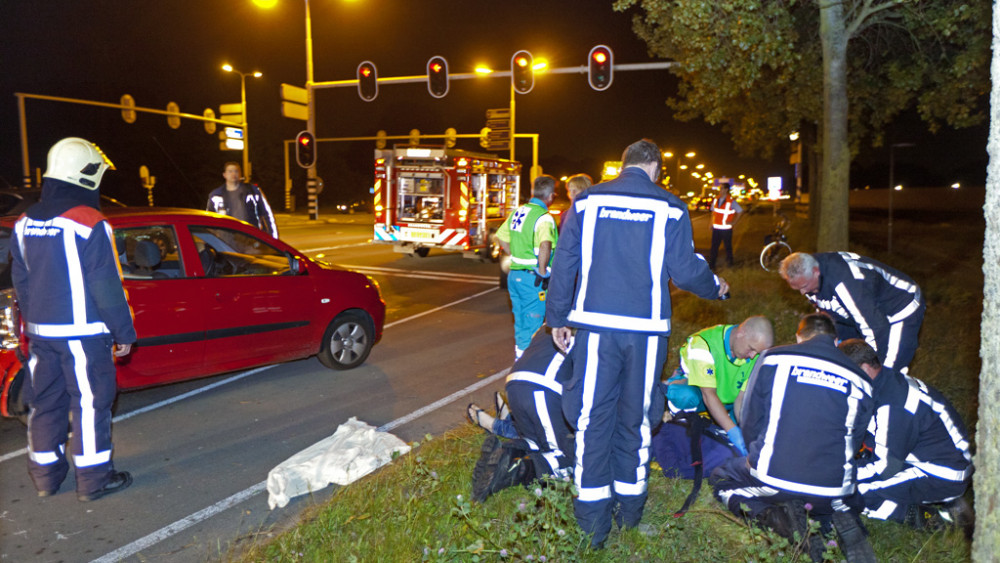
853	538
775	518
120	480
479	417
798	517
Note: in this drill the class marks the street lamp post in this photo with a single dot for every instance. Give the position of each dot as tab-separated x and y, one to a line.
243	106
892	183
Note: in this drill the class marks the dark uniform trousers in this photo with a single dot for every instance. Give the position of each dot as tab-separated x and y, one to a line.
721	237
891	498
734	485
538	417
610	400
75	380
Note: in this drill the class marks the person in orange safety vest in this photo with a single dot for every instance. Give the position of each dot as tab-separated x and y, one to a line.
725	213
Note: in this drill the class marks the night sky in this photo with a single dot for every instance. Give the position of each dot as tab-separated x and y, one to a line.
172	50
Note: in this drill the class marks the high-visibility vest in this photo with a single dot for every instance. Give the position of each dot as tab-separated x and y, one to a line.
524	247
722	216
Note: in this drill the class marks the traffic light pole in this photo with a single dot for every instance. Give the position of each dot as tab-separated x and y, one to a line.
312	194
513	130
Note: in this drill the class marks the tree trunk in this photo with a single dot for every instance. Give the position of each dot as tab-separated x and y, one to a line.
986	481
836	153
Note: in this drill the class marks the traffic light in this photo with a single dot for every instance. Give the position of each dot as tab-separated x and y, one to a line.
367	81
522	75
600	67
437	77
305	149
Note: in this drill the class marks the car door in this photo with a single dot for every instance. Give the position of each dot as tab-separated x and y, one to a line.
163	290
259	310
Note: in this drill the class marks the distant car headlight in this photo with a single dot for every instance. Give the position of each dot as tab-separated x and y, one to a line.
8	320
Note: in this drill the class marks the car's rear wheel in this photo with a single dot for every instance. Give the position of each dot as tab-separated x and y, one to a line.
347	341
422	251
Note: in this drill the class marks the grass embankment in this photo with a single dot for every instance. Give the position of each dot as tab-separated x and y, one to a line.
417	508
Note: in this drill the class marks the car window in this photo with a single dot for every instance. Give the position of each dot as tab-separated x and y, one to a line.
149	252
228	252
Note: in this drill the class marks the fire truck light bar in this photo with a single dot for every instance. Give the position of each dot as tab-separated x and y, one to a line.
418	153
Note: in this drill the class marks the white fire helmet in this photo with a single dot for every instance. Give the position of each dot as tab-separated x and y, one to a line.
77	161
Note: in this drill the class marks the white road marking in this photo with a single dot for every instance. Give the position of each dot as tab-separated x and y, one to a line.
337	247
425	274
206	513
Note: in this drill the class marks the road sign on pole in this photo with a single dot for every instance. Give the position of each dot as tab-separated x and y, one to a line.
294	94
497	129
294	102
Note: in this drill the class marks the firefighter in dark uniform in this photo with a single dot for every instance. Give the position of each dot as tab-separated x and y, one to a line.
805	410
623	241
69	288
866	299
919	449
534	389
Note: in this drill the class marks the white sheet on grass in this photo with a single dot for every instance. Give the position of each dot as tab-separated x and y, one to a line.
355	450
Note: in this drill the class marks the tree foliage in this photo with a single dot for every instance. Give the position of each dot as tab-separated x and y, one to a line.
755	67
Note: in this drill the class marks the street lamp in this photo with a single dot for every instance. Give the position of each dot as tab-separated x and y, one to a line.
892	184
670	154
243	106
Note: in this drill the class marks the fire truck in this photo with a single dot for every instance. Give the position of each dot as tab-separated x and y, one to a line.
436	197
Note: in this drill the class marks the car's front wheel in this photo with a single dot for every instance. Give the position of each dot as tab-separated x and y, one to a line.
347	341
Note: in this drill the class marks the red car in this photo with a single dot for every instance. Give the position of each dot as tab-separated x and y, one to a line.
211	294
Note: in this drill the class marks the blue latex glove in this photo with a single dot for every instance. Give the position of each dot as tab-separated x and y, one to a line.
736	437
542	281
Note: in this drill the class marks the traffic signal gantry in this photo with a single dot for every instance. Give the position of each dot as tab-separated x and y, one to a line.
600	69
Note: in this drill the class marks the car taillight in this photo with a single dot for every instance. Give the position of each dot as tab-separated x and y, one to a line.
8	320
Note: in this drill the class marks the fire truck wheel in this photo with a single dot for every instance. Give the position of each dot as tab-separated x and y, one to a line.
422	251
347	341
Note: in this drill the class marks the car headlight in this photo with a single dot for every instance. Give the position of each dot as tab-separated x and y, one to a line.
8	320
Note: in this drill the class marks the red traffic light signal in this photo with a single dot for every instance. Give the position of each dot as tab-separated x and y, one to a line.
522	75
305	149
367	81
437	77
600	67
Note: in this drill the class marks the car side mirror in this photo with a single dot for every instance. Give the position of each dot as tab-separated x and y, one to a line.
297	266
